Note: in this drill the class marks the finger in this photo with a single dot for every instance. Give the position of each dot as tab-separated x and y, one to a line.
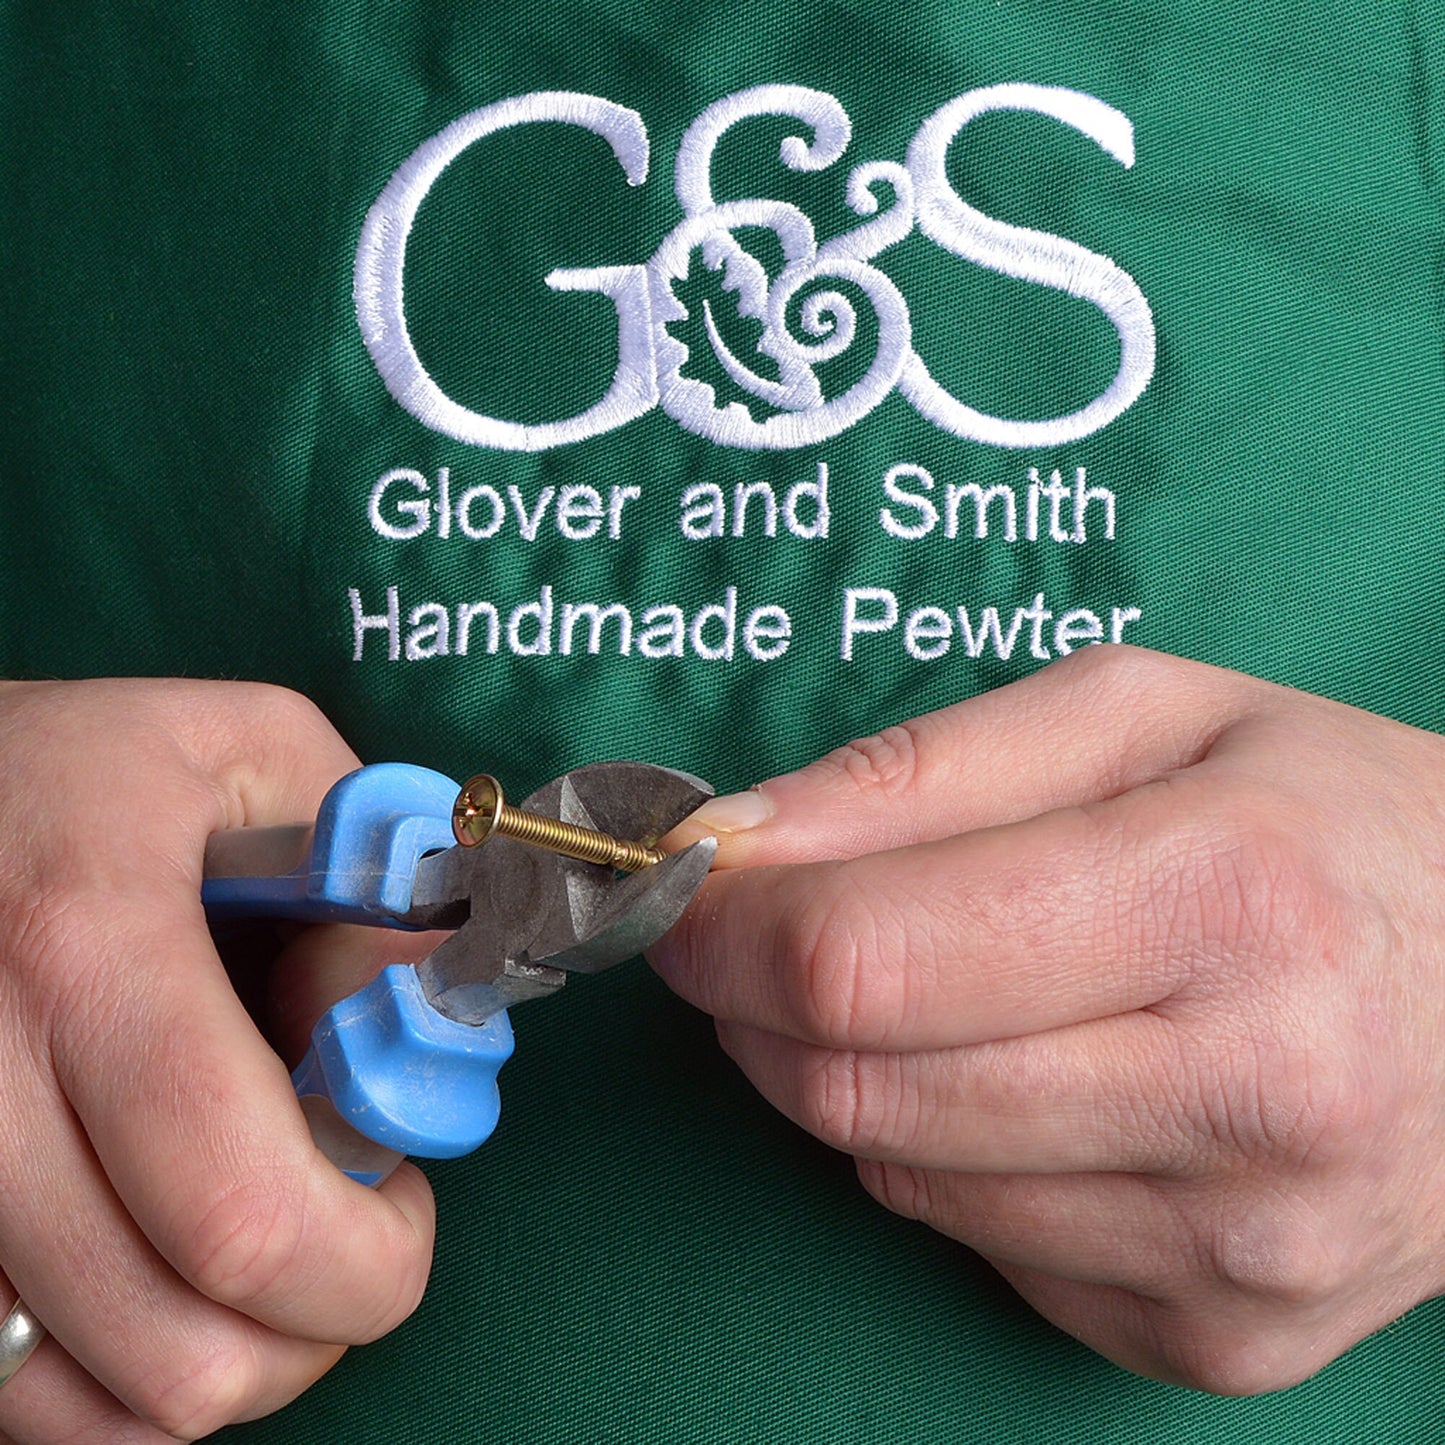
271	752
1244	1349
197	1125
1073	915
214	755
1117	1230
329	962
171	1356
1095	724
191	1113
52	1398
1111	1320
1098	1096
1160	1277
77	1256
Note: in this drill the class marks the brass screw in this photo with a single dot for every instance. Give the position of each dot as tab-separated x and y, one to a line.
480	812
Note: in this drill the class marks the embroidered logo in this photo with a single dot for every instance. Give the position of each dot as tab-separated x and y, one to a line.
650	358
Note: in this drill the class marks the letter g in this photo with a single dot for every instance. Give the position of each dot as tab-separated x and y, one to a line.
381	264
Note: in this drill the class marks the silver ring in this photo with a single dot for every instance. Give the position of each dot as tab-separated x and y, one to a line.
19	1334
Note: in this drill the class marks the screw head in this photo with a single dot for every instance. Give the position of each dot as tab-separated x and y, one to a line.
477	810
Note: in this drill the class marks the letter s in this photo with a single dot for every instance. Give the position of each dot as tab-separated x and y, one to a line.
381	264
1031	256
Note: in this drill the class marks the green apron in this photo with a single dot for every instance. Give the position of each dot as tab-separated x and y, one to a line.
535	383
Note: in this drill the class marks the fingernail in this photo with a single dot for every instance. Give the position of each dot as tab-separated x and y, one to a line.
734	813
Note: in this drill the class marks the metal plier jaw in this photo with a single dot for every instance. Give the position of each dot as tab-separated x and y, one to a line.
408	1064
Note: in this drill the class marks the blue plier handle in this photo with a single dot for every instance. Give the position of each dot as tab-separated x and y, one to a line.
389	1072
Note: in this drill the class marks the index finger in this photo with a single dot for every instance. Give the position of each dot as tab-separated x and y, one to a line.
1076	914
1090	726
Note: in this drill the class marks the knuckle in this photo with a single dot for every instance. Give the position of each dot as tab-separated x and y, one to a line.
1227	892
245	731
257	1249
285	707
855	1102
271	716
115	1425
245	1244
1227	1358
886	761
1308	1109
51	945
1288	1107
839	985
1278	1256
1119	668
1290	1081
42	939
899	1188
1264	895
191	1397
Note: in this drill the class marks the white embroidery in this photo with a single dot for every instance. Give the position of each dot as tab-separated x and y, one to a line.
927	632
381	264
467	613
890	227
430	631
1122	616
417	508
931	632
832	130
596	618
767	633
722	630
853	622
743	493
388	622
472	529
805	509
480	512
1080	625
944	217
995	507
806	417
545	624
539	612
651	358
927	512
662	632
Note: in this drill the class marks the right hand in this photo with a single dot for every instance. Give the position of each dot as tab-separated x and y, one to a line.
163	1210
1128	976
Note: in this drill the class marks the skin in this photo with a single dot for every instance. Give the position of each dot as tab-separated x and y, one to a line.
1129	976
163	1210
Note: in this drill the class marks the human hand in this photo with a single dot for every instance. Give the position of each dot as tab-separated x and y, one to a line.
1130	977
163	1210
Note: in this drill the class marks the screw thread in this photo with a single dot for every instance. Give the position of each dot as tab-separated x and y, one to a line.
582	843
481	811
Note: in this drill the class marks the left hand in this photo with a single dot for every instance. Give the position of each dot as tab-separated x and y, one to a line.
1132	977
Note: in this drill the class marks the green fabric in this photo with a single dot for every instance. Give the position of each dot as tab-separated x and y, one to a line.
192	429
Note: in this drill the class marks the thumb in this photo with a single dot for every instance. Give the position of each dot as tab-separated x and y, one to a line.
1091	726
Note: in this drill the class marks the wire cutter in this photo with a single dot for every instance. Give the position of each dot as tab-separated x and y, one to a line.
408	1064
